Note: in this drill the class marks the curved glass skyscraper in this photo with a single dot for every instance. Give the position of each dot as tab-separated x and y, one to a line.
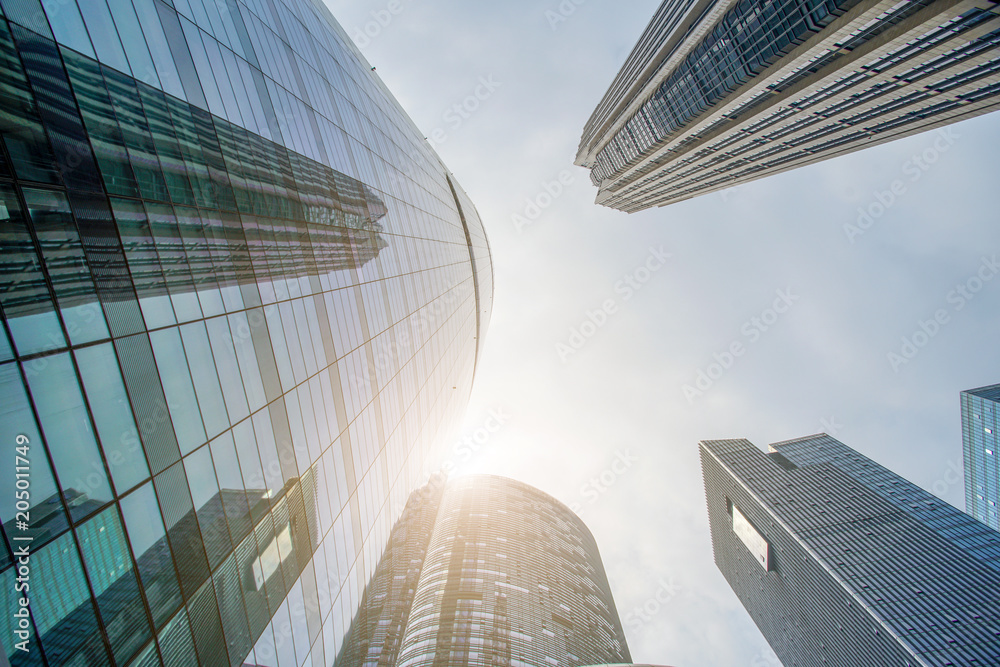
487	571
242	300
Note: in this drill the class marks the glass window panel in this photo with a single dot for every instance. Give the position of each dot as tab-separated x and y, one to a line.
174	34
158	47
205	76
268	451
228	582
227	469
131	34
299	629
29	14
57	109
152	554
299	444
243	341
68	434
178	388
148	658
261	104
112	413
16	419
246	449
183	8
23	290
222	80
104	34
161	128
242	101
263	650
199	15
291	341
6	351
305	338
316	438
228	368
282	625
135	133
201	260
66	265
144	263
207	627
280	347
174	497
176	642
205	377
112	578
216	26
67	25
208	504
101	123
173	259
193	129
62	608
323	496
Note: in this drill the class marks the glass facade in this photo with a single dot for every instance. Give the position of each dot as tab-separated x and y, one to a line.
482	572
752	87
242	301
981	453
863	566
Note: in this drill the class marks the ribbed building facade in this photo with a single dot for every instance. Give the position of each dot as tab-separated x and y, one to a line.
720	92
242	301
840	561
507	576
981	453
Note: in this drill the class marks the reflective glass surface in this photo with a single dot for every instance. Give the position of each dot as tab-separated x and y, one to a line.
242	301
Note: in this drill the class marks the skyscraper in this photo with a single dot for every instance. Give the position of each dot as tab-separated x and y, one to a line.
839	561
506	575
242	301
981	452
720	92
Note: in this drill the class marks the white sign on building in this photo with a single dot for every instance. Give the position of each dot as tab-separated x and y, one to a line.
754	541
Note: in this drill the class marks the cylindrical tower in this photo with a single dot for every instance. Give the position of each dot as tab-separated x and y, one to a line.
511	577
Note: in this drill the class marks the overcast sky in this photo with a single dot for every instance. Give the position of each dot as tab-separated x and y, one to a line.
616	408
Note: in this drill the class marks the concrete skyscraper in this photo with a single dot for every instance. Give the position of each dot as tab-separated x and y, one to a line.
839	561
242	302
981	453
505	576
720	92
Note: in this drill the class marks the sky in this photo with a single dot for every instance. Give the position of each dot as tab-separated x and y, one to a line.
603	322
